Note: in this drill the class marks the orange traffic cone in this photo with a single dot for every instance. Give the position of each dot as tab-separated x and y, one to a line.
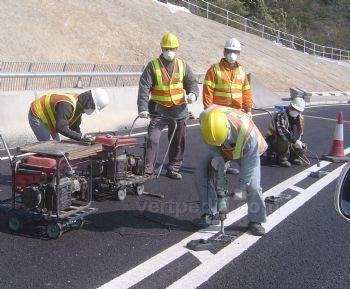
337	151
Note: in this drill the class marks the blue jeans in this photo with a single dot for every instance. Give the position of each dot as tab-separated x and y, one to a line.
40	130
249	182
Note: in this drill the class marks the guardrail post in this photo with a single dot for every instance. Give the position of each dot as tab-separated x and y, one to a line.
324	48
314	49
278	36
207	10
93	70
245	24
263	31
63	70
304	46
29	70
332	53
227	17
340	54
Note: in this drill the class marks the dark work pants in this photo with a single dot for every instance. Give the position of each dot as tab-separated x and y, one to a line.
177	147
283	149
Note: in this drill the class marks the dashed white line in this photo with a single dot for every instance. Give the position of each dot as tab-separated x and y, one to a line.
203	272
152	265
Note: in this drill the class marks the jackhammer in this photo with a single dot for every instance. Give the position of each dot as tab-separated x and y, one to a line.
218	175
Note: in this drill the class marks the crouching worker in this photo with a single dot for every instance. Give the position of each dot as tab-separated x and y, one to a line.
285	132
230	135
60	113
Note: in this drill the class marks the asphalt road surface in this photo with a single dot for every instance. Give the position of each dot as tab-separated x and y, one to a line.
140	242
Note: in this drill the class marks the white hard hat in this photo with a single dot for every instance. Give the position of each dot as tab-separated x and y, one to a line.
298	104
100	98
233	44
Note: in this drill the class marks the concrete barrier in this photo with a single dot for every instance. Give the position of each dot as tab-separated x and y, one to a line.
118	115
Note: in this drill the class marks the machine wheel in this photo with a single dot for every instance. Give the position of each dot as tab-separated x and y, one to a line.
139	189
78	224
54	230
121	194
15	224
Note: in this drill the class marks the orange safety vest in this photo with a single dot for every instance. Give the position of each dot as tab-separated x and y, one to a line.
168	90
228	91
245	128
44	108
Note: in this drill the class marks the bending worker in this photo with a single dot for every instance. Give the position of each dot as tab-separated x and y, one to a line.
285	132
226	82
231	135
60	113
166	80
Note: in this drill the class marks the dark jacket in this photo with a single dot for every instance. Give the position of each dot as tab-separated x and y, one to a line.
64	111
148	80
288	128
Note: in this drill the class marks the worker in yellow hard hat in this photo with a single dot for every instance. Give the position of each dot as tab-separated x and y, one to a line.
166	86
230	135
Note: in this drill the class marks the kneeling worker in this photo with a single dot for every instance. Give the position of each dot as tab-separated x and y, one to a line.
231	135
60	113
285	132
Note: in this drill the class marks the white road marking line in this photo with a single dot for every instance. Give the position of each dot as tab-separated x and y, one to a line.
297	189
318	117
202	256
203	272
155	263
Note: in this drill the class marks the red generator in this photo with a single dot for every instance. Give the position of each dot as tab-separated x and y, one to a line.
51	186
120	167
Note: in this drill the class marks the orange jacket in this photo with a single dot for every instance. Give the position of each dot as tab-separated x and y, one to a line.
233	91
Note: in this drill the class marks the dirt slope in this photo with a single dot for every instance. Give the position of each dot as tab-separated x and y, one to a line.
128	32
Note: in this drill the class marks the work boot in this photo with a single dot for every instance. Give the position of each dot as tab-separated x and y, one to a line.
206	220
284	163
296	162
256	229
173	175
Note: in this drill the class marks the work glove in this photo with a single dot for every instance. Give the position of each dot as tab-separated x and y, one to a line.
87	137
144	114
298	144
249	113
219	163
191	98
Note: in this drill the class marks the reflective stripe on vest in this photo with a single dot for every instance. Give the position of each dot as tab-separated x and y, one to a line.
44	109
227	91
245	129
168	90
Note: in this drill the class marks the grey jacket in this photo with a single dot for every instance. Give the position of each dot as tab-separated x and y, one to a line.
148	80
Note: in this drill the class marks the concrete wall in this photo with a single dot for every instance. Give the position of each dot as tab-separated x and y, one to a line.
119	114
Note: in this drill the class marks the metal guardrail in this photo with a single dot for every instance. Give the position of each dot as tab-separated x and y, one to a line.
33	76
54	80
224	16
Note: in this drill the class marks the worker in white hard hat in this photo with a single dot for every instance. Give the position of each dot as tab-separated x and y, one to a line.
284	135
60	113
226	83
166	86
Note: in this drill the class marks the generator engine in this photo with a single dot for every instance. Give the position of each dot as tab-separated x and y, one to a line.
36	183
122	157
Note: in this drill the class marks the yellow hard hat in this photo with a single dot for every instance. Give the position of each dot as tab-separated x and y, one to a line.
215	127
169	41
